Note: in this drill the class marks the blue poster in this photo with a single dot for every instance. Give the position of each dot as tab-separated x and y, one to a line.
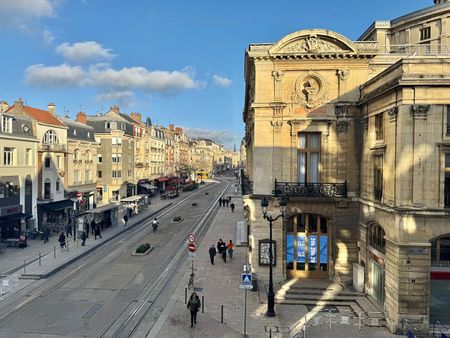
323	249
312	249
290	248
301	248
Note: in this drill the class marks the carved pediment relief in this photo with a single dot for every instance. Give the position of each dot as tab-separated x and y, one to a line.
314	41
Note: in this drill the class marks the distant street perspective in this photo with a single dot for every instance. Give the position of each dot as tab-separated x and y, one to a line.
201	169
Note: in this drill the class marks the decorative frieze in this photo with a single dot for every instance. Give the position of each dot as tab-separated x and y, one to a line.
392	114
420	111
342	125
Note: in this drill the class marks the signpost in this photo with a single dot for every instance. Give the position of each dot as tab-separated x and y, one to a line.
191	238
246	284
192	247
192	251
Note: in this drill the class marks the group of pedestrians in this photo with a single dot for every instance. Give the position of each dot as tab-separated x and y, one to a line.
225	201
222	249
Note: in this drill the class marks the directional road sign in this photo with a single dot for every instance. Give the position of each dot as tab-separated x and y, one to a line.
192	247
191	238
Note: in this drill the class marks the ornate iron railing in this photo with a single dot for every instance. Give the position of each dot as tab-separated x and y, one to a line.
247	186
295	189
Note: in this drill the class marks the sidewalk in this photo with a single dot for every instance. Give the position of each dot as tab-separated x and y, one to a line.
53	258
219	285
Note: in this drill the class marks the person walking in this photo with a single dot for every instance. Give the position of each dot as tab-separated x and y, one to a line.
227	200
232	207
86	227
69	227
125	219
212	253
93	227
222	248
220	201
62	240
194	306
45	233
230	249
83	238
97	231
75	229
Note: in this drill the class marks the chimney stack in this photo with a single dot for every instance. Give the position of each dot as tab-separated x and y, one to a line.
171	127
115	109
51	108
81	117
3	106
136	116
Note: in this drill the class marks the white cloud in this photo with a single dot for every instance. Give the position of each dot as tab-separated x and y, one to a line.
121	98
221	81
84	51
48	36
27	8
104	77
55	76
220	136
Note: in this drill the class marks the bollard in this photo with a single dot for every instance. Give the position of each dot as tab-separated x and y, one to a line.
270	332
359	321
203	304
54	252
329	311
185	295
24	266
39	259
67	246
221	314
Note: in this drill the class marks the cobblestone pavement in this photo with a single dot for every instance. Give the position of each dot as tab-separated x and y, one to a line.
219	285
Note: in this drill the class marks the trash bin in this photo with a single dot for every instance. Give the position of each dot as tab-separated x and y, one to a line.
254	283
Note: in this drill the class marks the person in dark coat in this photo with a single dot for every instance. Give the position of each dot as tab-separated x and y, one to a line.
125	219
62	240
86	227
97	231
45	233
227	201
232	207
83	238
220	202
222	248
212	253
69	227
194	306
93	226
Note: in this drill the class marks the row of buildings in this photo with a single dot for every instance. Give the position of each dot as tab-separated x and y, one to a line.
53	168
355	137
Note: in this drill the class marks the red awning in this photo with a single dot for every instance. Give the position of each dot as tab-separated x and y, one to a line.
162	179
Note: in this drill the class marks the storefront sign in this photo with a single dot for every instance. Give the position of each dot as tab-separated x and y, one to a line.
11	210
312	249
301	245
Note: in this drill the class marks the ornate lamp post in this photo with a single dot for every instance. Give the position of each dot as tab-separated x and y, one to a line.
270	294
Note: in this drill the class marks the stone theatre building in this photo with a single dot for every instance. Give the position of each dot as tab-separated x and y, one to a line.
355	136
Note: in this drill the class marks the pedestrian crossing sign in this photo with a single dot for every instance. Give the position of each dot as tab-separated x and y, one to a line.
246	279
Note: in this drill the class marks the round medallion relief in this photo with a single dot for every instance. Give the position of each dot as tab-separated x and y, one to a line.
309	90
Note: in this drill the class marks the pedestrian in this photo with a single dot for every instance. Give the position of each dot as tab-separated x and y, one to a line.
194	306
83	238
75	229
227	200
97	231
230	248
125	219
212	253
62	240
222	248
69	227
232	207
102	224
93	226
86	227
220	201
45	233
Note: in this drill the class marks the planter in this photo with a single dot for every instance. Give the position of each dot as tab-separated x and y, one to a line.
142	254
177	219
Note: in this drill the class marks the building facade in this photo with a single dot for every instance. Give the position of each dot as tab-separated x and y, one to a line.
353	135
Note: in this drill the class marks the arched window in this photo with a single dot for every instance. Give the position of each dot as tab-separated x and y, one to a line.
50	137
88	155
376	240
76	155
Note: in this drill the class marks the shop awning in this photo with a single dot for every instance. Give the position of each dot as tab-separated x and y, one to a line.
103	208
162	179
60	205
148	186
14	217
132	198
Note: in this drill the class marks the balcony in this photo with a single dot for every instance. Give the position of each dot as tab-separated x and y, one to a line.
139	165
295	189
52	147
247	186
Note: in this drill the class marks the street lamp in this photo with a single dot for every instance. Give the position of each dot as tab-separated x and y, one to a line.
270	294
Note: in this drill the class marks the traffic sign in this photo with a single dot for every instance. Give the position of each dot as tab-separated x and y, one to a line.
246	281
192	247
191	256
191	238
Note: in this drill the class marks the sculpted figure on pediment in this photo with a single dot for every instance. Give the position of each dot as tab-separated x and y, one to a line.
312	44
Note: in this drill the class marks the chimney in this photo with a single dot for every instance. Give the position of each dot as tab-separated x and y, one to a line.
51	108
3	106
179	130
136	116
115	109
19	104
81	117
171	127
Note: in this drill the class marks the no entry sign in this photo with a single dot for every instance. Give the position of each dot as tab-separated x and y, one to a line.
192	247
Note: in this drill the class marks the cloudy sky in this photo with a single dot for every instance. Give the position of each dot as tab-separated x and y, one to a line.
176	61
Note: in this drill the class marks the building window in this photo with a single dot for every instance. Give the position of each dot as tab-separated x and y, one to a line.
76	155
8	189
7	124
99	158
75	132
447	181
448	120
425	33
379	135
47	162
440	252
116	174
76	176
376	237
107	125
50	137
308	157
57	185
378	177
8	156
28	157
87	175
99	174
117	158
130	173
47	188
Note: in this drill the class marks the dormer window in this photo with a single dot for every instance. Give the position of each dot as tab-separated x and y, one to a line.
75	132
88	134
7	124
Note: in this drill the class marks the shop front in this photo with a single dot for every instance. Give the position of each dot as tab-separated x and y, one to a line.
106	213
11	221
55	215
135	204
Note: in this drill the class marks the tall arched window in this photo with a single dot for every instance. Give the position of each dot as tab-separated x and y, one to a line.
376	240
76	155
50	137
47	188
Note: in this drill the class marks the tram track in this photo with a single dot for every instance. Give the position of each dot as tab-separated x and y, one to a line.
16	310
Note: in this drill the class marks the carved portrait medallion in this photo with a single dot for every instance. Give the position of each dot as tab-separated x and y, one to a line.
309	90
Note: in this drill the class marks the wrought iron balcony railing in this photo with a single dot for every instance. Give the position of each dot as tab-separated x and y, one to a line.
247	186
296	189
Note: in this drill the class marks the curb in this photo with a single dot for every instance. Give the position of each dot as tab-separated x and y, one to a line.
88	251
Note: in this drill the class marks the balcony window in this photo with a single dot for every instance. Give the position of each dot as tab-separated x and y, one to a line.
50	137
308	157
378	177
8	156
116	158
379	134
99	174
425	33
447	181
7	124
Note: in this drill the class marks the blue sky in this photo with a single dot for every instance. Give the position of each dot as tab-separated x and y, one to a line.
176	61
